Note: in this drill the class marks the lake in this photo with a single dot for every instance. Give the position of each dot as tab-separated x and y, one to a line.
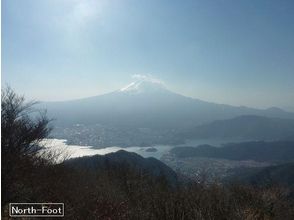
73	151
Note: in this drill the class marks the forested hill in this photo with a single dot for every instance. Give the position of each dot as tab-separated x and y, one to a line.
248	127
149	166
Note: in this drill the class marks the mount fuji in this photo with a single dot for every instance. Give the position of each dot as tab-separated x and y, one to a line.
141	108
148	103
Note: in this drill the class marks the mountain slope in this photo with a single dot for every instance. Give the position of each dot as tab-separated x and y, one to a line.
249	127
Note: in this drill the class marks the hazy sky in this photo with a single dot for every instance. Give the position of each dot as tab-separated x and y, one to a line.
238	52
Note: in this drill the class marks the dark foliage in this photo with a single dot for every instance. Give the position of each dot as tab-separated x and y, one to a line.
22	128
282	175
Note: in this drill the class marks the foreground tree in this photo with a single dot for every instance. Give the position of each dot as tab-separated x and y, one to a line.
23	128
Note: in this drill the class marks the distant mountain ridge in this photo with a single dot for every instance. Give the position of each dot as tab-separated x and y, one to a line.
272	151
247	127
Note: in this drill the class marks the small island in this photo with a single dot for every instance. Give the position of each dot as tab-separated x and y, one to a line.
151	149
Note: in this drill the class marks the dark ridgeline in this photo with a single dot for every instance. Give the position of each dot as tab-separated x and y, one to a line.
275	152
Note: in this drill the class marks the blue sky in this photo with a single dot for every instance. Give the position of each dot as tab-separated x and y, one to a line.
238	52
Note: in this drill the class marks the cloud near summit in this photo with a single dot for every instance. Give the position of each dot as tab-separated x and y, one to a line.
149	78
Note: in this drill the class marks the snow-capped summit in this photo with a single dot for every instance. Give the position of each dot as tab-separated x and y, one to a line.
144	86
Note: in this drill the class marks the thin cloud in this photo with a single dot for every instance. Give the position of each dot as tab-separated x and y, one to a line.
148	77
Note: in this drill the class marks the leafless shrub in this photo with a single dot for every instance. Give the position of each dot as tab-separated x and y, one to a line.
22	129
